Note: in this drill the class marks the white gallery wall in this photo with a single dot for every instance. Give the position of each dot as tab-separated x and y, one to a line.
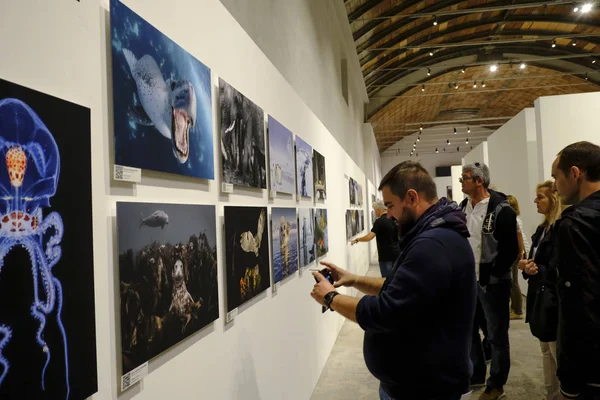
562	120
429	161
277	346
478	154
441	183
457	194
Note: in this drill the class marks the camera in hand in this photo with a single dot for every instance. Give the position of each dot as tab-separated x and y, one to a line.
327	275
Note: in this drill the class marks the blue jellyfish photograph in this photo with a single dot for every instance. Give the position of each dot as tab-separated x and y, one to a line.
306	236
47	317
304	168
281	157
284	229
162	100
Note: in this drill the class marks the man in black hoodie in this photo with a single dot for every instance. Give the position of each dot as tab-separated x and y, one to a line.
577	257
492	224
418	321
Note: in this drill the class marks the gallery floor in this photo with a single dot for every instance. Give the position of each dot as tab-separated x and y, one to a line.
346	377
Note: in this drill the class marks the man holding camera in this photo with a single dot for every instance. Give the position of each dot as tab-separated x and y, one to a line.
418	321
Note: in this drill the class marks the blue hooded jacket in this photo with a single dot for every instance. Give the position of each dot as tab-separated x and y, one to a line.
418	329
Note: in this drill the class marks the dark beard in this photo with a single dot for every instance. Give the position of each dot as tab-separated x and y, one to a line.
407	221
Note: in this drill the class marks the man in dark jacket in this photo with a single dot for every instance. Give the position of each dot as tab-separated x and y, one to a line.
418	321
492	224
577	174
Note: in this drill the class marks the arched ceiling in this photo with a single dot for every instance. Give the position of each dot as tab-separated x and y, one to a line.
421	59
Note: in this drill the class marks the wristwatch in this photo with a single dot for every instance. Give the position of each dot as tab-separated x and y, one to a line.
329	298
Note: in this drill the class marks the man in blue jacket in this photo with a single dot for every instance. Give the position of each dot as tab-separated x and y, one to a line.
418	321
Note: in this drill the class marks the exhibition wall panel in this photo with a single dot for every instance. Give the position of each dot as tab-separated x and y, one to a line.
478	154
279	342
562	120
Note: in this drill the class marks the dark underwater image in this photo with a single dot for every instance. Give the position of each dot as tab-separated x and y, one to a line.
162	100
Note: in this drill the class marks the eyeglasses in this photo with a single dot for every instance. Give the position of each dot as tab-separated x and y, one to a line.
465	178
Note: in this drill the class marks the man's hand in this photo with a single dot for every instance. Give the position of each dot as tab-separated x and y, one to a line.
321	288
340	276
531	268
353	242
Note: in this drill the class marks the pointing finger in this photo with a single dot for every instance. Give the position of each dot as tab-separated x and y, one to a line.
318	276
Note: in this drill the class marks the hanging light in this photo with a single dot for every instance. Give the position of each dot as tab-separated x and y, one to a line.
463	70
423	88
455	85
436	151
428	72
419	138
475	85
421	128
586	8
467	141
574	43
431	53
468	130
455	131
553	43
493	68
482	83
434	20
523	66
447	141
586	76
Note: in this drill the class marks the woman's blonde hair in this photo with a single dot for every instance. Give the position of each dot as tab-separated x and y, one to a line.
512	200
556	208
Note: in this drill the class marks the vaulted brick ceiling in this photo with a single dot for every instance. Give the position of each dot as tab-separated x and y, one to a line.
413	69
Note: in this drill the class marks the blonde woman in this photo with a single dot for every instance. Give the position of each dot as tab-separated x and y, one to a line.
516	297
542	299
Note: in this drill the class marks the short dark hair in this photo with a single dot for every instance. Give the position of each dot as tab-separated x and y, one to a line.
410	175
583	155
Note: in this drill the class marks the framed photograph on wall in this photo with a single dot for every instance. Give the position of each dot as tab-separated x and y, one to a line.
281	157
304	168
284	237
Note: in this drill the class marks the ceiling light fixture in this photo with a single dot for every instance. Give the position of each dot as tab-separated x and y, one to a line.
455	85
447	141
468	130
586	76
475	85
423	88
467	141
421	128
574	43
455	131
431	53
419	138
457	148
523	66
434	20
436	151
444	149
586	8
493	68
482	83
428	72
463	69
576	8
471	147
553	43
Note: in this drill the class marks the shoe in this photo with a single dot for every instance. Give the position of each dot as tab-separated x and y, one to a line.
492	394
514	315
477	384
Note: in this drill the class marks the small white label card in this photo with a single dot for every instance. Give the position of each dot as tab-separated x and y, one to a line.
231	315
227	187
127	174
134	376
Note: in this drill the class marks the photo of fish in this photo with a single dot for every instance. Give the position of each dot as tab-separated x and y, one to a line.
304	168
47	313
284	237
321	232
320	178
247	254
162	100
168	276
281	157
242	139
306	234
